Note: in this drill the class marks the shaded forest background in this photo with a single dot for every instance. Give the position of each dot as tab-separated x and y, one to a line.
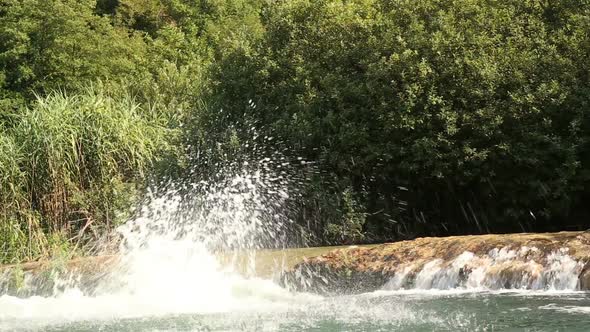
433	117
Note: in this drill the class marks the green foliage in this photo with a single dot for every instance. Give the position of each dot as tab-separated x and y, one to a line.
11	176
350	229
84	154
452	116
51	44
421	117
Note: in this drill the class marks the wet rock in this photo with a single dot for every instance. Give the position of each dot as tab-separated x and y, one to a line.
585	277
522	261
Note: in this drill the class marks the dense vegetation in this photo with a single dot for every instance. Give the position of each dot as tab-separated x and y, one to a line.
430	117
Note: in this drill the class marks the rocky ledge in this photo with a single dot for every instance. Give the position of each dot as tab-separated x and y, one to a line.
521	261
46	277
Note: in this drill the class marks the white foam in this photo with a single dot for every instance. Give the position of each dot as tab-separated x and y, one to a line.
500	268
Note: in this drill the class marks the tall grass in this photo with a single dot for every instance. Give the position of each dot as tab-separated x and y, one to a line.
70	168
12	236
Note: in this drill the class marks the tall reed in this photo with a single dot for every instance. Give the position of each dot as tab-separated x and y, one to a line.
70	167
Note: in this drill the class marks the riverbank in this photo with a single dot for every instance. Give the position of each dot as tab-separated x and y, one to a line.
194	294
508	261
41	278
523	261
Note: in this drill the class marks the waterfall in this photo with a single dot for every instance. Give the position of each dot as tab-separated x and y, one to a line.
498	269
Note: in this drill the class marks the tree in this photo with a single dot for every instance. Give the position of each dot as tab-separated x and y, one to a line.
61	44
443	116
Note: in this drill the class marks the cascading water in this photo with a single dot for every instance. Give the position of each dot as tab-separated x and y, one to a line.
498	269
178	262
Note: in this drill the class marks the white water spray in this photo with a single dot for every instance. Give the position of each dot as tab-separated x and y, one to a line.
170	257
170	266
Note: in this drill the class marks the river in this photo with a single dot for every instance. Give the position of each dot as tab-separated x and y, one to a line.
170	278
261	306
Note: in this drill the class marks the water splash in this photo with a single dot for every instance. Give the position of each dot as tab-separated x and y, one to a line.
170	255
170	266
